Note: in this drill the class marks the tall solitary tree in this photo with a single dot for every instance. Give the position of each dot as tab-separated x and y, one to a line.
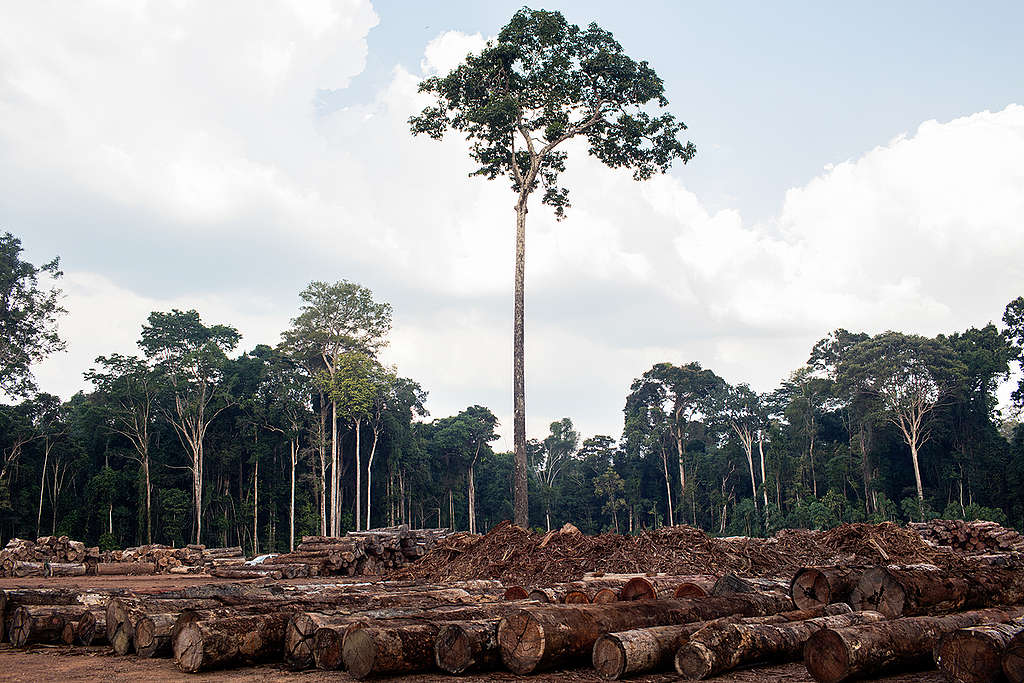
28	317
542	83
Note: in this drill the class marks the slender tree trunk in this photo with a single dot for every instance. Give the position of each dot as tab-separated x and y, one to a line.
471	494
255	506
291	507
810	452
334	469
451	509
520	484
149	498
917	468
42	488
197	495
764	478
865	467
680	452
359	479
369	476
668	492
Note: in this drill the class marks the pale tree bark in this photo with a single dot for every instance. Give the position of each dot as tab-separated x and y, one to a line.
911	425
335	474
60	470
764	478
471	490
520	503
42	488
359	480
255	505
369	473
291	502
322	453
668	489
746	437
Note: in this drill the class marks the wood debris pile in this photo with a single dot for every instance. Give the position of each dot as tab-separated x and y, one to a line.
357	553
976	536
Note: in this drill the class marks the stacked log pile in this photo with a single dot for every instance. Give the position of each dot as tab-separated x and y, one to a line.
358	553
21	557
976	536
61	556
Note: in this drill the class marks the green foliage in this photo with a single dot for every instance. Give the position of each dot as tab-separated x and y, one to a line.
28	317
917	510
108	542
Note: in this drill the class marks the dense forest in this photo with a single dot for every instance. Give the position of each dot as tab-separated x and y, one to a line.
193	438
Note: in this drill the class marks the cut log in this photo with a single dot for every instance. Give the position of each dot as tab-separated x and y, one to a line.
732	584
387	650
975	654
23	569
234	641
834	655
653	649
42	624
535	638
123	613
919	589
92	627
695	587
64	569
717	649
661	587
300	636
327	647
1013	659
605	596
153	634
125	568
465	646
559	595
813	586
515	593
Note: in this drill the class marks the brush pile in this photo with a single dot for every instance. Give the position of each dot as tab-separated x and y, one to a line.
970	537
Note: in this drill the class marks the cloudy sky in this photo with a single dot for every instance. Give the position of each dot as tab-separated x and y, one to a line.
857	166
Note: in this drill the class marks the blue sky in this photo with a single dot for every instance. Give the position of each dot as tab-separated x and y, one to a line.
858	165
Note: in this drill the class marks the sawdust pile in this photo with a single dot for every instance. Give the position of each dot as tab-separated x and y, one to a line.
517	555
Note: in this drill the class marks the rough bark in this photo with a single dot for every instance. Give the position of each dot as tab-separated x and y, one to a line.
327	646
468	646
300	636
232	641
731	584
122	614
695	588
919	589
659	587
540	637
521	509
814	586
125	568
653	649
390	650
1013	659
718	649
92	627
153	634
43	624
975	654
64	569
834	655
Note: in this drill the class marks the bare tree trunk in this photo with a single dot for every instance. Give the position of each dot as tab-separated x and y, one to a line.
334	469
917	468
255	506
810	452
322	452
359	479
369	475
764	478
680	451
865	467
149	498
42	488
668	491
291	508
520	484
471	494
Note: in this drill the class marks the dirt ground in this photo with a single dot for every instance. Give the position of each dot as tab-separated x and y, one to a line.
60	663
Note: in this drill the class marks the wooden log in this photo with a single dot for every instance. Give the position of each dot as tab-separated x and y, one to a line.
834	655
540	637
153	634
122	614
653	649
559	595
975	654
233	641
92	627
390	650
327	647
23	569
42	624
125	568
465	646
300	636
717	649
919	589
695	588
605	596
515	593
235	573
813	586
733	584
63	569
1013	659
660	587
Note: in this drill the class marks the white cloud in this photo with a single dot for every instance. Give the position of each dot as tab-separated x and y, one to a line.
185	137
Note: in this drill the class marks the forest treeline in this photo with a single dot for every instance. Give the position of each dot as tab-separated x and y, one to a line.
192	438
